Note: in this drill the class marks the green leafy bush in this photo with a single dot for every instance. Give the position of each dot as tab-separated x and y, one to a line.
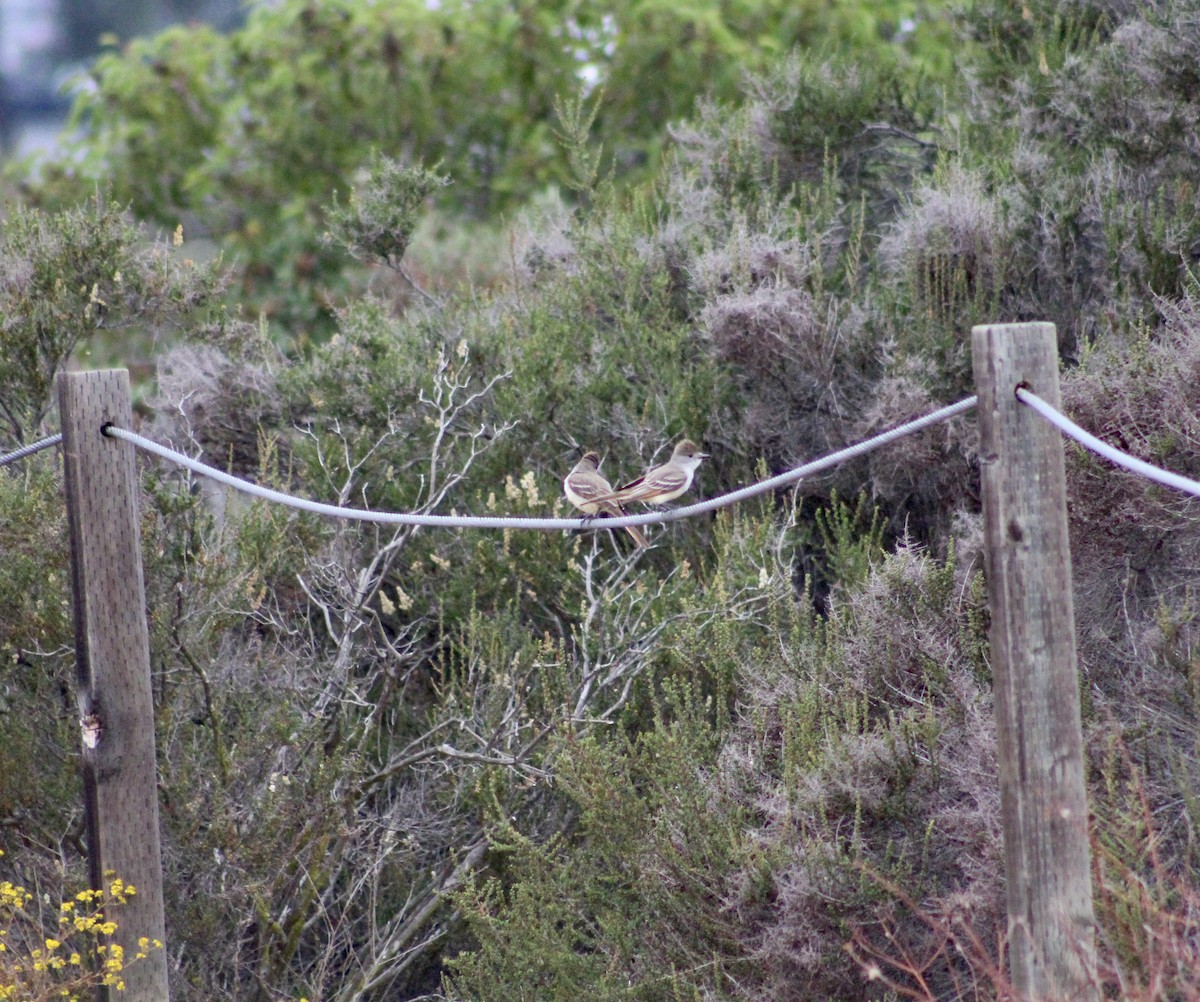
244	136
69	276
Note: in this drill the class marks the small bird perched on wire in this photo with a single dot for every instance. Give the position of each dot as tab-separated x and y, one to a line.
663	483
585	484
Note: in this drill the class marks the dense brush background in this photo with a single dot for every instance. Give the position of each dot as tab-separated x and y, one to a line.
392	256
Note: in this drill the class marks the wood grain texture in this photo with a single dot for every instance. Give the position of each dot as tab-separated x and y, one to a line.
1034	668
113	666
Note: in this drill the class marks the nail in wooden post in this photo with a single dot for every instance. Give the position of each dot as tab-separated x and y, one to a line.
112	650
1034	668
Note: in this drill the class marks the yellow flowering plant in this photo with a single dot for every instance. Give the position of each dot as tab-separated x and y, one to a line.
68	965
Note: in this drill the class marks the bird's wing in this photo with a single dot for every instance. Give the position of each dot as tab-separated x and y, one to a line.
634	483
590	488
662	480
619	494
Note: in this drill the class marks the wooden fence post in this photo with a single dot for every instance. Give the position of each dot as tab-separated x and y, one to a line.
1035	673
112	650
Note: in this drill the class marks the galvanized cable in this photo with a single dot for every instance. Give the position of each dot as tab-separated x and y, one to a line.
30	449
545	524
1132	463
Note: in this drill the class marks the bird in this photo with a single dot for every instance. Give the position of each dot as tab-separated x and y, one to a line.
584	484
663	483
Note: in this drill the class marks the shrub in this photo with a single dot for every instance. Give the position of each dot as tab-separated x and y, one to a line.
75	957
724	853
69	276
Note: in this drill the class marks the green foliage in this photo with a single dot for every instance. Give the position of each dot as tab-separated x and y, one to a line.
696	830
577	917
155	106
861	116
851	541
250	133
379	220
829	135
1087	152
952	258
69	275
604	342
393	403
1023	46
276	100
38	720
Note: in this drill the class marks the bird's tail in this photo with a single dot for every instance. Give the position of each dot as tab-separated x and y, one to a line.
639	537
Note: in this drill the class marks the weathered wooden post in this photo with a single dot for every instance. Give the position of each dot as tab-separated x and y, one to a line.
1034	668
112	650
